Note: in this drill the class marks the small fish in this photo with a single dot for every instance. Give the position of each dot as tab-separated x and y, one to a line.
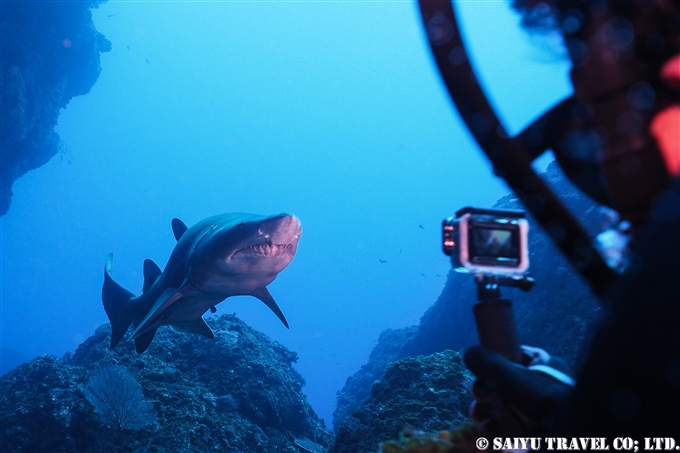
110	15
147	60
382	261
437	275
421	227
399	250
422	274
128	47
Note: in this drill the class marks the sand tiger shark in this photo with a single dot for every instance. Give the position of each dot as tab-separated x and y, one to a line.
225	255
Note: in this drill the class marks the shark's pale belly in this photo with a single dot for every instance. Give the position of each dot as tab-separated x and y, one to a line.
190	309
213	285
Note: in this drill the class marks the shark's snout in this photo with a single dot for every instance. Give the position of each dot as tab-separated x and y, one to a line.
290	226
275	236
281	229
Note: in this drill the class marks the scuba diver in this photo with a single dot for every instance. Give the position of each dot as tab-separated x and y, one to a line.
620	144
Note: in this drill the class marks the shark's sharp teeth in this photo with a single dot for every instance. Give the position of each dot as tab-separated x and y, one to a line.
267	249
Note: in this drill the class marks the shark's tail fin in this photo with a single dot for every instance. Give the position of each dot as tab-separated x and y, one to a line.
117	305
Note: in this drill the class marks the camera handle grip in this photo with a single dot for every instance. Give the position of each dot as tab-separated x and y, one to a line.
496	327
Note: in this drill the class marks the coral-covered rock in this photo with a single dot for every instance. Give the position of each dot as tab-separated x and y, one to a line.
358	386
427	392
238	392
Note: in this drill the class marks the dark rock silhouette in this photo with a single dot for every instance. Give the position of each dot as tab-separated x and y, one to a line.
50	54
554	315
238	392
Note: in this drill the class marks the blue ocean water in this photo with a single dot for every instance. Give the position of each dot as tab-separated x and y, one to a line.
331	110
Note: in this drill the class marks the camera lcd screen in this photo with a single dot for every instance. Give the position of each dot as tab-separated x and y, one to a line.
493	245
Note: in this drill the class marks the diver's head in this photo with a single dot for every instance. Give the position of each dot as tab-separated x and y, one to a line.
622	145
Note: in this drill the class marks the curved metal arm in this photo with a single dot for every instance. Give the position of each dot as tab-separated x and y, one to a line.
510	158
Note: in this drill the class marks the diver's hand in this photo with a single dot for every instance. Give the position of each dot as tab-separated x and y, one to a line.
518	400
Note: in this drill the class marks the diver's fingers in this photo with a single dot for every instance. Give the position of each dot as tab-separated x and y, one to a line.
495	373
497	418
532	356
483	411
533	392
480	391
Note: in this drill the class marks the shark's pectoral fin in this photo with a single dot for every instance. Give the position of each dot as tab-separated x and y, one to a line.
178	228
151	274
264	295
199	326
153	316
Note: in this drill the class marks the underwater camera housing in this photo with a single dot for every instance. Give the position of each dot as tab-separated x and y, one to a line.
487	242
493	245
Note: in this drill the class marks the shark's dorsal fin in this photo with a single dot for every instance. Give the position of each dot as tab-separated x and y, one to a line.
198	326
178	228
151	274
264	295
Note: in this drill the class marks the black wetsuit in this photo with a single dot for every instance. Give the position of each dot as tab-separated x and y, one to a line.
629	384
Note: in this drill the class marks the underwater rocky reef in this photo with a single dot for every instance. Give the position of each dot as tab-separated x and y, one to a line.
50	53
241	393
237	393
358	387
555	315
427	392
